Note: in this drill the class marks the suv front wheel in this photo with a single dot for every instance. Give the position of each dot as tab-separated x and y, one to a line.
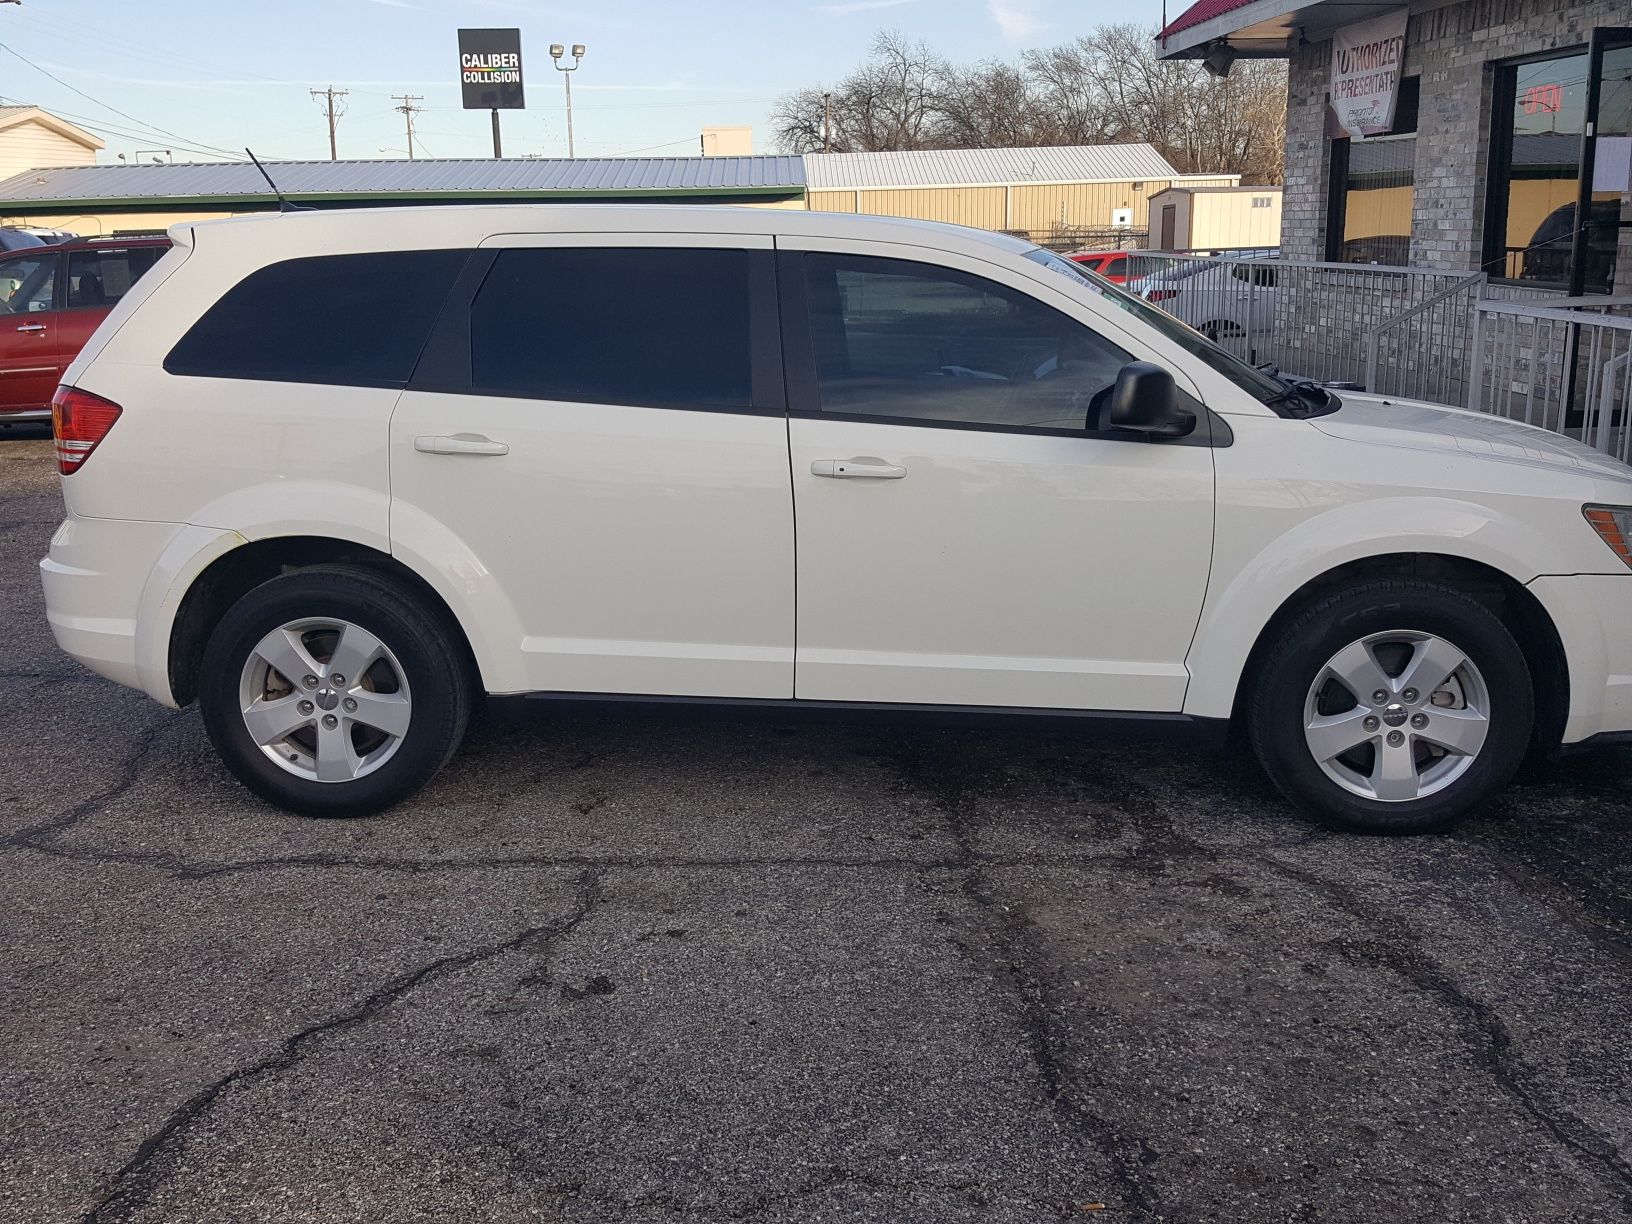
332	692
1398	706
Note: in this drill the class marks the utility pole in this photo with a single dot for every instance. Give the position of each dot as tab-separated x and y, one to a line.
408	108
827	123
328	97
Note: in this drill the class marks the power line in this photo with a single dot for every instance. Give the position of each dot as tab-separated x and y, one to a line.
649	148
329	95
139	123
102	128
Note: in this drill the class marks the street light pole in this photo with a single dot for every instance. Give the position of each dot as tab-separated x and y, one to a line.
556	52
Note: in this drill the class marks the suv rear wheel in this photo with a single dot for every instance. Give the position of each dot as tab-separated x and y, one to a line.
1398	707
333	692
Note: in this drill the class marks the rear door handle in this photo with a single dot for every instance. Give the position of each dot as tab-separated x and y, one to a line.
459	444
863	467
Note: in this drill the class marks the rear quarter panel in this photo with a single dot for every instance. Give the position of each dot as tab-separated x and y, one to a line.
259	458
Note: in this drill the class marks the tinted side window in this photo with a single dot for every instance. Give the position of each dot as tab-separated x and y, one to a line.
348	319
98	279
641	326
910	340
26	283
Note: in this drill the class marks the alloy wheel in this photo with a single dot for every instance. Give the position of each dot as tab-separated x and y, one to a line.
325	699
1397	716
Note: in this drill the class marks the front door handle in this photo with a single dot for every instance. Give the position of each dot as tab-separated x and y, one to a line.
31	327
849	469
459	444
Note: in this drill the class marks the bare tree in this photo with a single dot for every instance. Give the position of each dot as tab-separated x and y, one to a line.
891	101
1105	87
798	120
991	105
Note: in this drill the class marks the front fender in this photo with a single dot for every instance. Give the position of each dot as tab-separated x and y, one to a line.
1253	578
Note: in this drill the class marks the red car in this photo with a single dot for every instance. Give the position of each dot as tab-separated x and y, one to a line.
51	300
1112	265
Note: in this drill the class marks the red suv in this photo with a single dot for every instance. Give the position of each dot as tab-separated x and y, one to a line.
51	299
1112	265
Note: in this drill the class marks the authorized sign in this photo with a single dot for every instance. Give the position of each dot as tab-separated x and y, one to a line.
490	69
1366	62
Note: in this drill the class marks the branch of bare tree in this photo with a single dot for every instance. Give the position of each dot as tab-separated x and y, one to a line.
1107	87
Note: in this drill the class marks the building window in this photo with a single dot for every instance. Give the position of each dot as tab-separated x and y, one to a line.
1541	114
1372	190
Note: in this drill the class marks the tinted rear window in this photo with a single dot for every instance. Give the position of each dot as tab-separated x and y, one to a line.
347	319
642	326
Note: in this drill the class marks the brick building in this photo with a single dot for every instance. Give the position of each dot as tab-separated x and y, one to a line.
1510	120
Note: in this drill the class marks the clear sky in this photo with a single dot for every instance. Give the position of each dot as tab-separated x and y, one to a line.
227	73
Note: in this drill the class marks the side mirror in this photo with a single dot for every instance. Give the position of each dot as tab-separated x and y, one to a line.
1145	399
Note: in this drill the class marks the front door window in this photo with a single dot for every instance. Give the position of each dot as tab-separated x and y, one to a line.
27	283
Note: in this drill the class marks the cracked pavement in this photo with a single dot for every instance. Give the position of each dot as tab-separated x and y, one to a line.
659	968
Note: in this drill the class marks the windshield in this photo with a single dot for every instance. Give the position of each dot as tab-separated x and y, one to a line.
1261	386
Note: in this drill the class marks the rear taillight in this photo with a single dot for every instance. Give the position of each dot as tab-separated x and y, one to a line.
79	420
1161	295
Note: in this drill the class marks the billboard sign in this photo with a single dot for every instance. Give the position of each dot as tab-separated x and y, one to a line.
1366	62
490	69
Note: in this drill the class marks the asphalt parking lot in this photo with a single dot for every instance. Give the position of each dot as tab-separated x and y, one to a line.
651	969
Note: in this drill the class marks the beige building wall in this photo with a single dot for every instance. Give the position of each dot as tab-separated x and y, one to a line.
833	201
1038	209
1229	219
33	146
728	141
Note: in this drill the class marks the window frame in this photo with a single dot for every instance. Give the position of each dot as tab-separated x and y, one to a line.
1499	165
58	275
1337	179
98	253
445	364
804	388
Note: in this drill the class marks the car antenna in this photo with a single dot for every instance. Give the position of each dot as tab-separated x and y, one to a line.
283	204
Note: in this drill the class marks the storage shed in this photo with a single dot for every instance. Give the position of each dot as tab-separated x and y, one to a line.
1215	218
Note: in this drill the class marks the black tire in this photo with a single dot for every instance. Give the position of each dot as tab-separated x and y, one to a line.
1300	649
426	647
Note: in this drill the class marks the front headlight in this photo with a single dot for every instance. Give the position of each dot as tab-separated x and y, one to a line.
1614	526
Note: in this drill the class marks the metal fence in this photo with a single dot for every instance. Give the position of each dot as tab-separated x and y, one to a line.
1564	364
1393	329
1420	333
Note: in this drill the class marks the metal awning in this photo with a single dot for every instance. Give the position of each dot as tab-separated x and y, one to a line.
1263	29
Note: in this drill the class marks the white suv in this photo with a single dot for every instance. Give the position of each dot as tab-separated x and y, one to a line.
336	475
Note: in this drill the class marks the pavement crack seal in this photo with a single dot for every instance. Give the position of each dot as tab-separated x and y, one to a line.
1555	896
1014	949
132	1186
42	837
1491	1045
